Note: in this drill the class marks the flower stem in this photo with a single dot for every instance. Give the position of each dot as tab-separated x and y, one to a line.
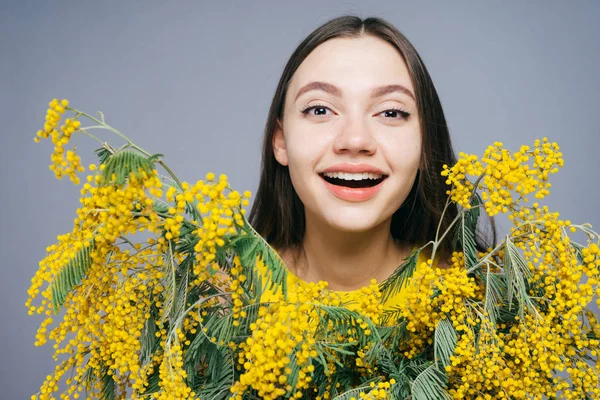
102	124
90	135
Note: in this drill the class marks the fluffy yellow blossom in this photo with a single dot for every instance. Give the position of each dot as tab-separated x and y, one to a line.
172	377
282	339
63	162
188	312
500	173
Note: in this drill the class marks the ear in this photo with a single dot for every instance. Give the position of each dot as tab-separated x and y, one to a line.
279	149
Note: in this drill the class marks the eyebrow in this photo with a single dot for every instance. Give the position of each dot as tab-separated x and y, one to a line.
336	91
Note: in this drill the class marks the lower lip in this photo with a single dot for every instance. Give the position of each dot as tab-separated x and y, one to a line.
353	194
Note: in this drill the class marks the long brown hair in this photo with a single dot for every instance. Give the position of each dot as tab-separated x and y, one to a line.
278	213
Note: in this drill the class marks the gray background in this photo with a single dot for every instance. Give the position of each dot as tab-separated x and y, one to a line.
194	80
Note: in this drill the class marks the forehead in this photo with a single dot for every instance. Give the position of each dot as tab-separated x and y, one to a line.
354	64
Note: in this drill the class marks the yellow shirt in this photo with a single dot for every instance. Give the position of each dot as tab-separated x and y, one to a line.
350	298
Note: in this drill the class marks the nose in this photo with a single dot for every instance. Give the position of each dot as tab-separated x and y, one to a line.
355	137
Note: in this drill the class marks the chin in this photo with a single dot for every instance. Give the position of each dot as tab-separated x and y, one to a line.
352	223
352	228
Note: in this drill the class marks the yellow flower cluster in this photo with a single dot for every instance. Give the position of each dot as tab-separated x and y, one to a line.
62	164
462	187
237	290
172	377
283	331
309	297
516	363
520	358
379	391
433	294
52	381
503	173
221	217
105	216
121	282
109	328
369	303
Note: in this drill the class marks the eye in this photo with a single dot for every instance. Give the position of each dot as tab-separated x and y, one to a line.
318	107
391	113
396	113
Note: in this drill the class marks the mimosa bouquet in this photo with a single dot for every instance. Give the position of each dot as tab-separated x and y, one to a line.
159	292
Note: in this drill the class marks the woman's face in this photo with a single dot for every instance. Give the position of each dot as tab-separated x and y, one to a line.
351	147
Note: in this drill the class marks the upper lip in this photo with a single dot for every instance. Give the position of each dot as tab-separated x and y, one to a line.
354	168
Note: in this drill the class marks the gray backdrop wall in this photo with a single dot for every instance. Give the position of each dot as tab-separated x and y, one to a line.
194	80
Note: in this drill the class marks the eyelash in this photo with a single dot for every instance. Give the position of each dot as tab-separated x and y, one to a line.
404	114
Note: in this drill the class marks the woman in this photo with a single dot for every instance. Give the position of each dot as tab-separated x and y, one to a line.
354	145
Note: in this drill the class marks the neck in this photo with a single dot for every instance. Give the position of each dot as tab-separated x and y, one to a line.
348	260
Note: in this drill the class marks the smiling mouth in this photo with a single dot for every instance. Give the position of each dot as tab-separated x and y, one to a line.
361	183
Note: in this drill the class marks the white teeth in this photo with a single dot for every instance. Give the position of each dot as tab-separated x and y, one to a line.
352	177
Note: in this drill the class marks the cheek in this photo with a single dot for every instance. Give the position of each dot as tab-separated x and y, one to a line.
403	153
304	151
300	163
